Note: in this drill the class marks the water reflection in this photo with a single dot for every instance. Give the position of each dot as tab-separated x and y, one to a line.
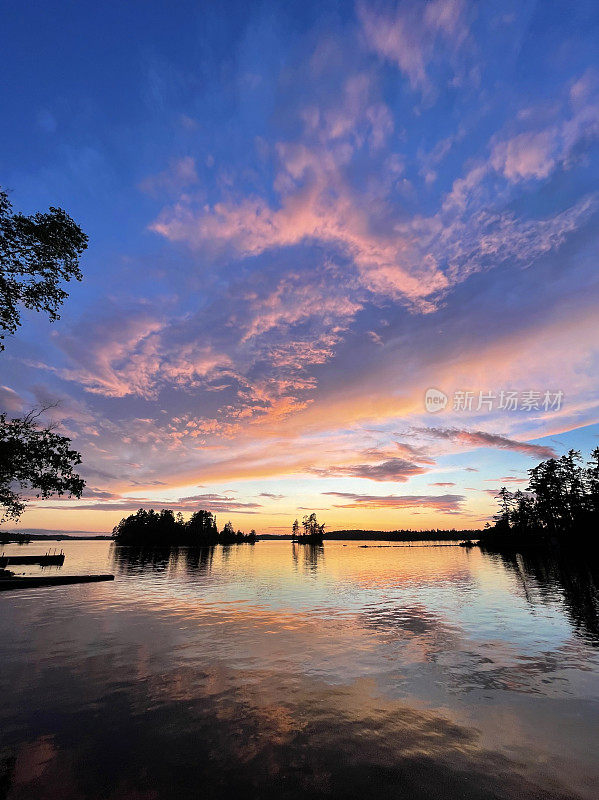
200	559
302	671
170	735
138	560
308	555
7	768
569	577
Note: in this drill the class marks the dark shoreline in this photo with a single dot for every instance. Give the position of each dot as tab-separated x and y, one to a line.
387	536
24	538
343	535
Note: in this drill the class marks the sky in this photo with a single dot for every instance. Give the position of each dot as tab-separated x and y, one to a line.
343	256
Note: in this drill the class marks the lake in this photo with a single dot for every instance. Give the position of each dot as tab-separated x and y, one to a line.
287	671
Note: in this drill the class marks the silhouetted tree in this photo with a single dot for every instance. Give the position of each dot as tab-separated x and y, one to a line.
37	252
34	460
202	529
227	535
523	514
505	500
592	480
149	527
573	491
562	498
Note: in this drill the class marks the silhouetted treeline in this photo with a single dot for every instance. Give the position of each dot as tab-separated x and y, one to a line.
560	504
439	535
165	529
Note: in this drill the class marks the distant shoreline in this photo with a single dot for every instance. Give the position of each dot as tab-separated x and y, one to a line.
12	537
388	536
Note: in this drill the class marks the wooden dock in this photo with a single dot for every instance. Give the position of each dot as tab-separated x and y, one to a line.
34	581
44	560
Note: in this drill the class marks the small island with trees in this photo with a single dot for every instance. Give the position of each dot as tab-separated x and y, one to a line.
149	528
313	532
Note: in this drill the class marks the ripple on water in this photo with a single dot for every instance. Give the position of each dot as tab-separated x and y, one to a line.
404	672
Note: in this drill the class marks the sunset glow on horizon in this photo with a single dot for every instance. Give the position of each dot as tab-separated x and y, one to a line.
343	257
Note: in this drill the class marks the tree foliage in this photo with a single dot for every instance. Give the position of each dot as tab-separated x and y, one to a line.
562	498
37	253
34	461
313	531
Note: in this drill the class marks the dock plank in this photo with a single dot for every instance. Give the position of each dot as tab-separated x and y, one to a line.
34	581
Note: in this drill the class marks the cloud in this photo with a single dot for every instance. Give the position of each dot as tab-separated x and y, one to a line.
326	278
471	439
114	354
98	494
317	205
10	401
486	239
445	503
294	300
441	483
414	453
180	175
507	479
415	259
111	502
537	153
394	469
251	349
528	155
413	33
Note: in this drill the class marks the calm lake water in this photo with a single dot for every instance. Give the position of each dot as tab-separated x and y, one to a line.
289	671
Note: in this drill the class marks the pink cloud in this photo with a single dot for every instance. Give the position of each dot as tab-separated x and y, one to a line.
131	359
411	35
528	155
317	205
294	300
118	358
416	260
445	503
180	174
109	501
10	401
537	153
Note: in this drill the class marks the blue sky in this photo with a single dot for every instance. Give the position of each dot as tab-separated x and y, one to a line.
302	217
